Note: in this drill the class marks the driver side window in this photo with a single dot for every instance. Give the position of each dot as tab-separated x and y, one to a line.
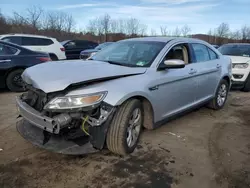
180	52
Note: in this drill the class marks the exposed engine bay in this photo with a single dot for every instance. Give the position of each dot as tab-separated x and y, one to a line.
89	122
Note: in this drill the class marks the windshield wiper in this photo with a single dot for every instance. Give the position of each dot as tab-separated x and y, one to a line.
121	64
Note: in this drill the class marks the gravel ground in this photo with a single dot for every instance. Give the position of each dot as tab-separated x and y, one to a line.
202	149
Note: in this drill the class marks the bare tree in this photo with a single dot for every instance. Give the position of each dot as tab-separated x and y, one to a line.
176	32
114	26
245	32
236	35
185	30
34	15
164	31
69	23
153	32
59	21
19	19
121	25
223	30
143	29
91	27
132	26
105	23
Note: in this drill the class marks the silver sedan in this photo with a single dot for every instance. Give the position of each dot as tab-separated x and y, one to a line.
106	100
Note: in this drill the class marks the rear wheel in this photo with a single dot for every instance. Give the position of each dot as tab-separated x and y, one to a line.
53	57
221	96
14	81
125	128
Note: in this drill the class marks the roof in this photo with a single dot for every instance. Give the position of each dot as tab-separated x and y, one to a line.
237	44
27	35
12	44
161	39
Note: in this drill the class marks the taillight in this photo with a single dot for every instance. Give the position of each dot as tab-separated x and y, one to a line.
44	59
62	49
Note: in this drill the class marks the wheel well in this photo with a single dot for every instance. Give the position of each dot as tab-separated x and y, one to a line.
52	54
148	112
227	79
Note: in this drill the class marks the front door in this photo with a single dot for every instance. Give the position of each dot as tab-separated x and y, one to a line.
174	90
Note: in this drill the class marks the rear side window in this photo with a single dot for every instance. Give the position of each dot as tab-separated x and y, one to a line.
13	39
7	50
33	41
201	53
212	54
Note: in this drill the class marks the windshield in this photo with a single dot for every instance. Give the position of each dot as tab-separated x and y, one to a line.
235	50
100	46
130	53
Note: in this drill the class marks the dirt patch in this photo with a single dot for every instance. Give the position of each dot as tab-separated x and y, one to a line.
229	150
202	149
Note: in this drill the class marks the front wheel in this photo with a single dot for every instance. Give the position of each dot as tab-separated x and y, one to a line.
221	96
125	128
247	84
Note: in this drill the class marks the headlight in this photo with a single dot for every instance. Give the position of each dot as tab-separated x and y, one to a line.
240	65
93	53
69	102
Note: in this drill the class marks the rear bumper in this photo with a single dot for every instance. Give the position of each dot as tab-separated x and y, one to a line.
55	143
36	118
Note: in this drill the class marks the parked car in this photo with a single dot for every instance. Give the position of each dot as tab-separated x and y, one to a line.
240	56
132	83
74	47
13	60
216	46
89	52
37	43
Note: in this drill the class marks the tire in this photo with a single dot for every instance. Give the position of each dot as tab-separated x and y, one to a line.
217	104
10	81
118	133
247	85
53	57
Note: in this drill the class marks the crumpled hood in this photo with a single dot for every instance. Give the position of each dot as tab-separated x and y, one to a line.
57	76
239	59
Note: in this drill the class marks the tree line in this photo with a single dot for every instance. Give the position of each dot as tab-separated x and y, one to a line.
62	25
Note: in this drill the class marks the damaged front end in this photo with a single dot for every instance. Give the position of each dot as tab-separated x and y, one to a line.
64	124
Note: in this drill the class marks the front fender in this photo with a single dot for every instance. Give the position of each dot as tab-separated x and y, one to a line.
116	101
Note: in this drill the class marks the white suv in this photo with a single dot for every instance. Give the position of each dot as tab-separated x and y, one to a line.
240	56
37	43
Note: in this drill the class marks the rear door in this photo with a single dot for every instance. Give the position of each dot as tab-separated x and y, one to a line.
7	54
33	43
208	69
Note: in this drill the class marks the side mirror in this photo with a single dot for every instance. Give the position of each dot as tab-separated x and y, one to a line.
174	64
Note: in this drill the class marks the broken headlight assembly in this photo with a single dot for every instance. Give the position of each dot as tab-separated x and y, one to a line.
75	101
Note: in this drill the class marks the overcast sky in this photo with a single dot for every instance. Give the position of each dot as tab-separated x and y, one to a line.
200	15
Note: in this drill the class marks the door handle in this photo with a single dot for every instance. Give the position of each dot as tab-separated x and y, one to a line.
218	66
5	61
153	88
192	71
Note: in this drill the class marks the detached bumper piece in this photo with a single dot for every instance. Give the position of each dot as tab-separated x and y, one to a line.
55	143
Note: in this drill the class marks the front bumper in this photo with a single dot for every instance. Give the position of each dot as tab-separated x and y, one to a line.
237	85
240	75
55	143
36	118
